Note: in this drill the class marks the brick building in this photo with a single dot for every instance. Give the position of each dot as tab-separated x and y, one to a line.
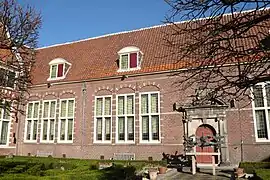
112	97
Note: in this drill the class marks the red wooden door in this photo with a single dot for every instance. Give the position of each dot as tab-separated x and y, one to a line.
204	130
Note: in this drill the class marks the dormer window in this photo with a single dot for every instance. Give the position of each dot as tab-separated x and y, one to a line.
129	58
58	69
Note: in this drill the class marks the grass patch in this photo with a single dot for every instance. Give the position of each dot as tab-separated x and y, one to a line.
251	167
262	173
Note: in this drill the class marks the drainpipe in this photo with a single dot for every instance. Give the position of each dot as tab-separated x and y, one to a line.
83	114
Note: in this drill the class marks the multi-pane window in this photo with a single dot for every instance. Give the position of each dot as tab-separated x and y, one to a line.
32	121
125	118
66	120
130	60
103	116
149	112
48	121
261	107
4	122
57	70
7	78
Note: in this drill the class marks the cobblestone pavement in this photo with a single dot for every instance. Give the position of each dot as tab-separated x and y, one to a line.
186	175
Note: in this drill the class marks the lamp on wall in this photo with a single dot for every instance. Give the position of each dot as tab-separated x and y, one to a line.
124	77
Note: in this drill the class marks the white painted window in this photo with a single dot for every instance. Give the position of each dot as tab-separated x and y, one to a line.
149	117
66	120
261	111
129	58
31	124
125	129
103	119
4	123
48	121
58	69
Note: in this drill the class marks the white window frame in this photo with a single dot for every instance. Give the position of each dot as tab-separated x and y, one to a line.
139	55
266	109
32	123
125	115
49	120
150	141
56	62
9	124
16	76
66	124
103	120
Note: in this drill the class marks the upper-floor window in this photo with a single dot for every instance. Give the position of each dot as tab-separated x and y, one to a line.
129	58
261	111
7	78
58	69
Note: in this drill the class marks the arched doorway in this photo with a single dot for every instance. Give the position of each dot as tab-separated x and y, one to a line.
205	130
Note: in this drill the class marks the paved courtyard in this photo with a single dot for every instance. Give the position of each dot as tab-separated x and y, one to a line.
203	175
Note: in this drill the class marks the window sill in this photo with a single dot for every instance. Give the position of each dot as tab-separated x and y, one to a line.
30	141
124	142
55	79
102	142
262	140
46	142
7	147
150	142
127	70
64	142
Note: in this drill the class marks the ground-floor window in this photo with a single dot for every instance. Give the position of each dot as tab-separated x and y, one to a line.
4	123
48	121
32	121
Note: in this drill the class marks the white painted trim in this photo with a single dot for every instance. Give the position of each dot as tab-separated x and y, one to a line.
58	62
9	126
125	115
32	122
49	120
149	114
95	141
59	141
265	108
128	68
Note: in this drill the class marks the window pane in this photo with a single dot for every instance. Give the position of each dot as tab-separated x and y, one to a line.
99	129
99	107
107	110
121	128
28	130
258	96
261	124
7	110
130	105
46	110
107	128
45	128
62	129
121	105
133	60
35	110
51	135
53	71
70	127
70	108
154	103
11	79
30	109
34	133
155	127
52	110
144	104
4	133
267	90
63	108
2	77
145	128
124	62
130	128
60	70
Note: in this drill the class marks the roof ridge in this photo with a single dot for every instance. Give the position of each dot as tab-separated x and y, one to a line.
140	29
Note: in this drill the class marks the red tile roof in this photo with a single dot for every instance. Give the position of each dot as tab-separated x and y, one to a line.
96	57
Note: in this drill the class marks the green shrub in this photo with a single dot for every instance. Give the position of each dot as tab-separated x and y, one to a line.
36	170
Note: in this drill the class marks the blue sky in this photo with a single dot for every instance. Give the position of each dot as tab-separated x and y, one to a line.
70	20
